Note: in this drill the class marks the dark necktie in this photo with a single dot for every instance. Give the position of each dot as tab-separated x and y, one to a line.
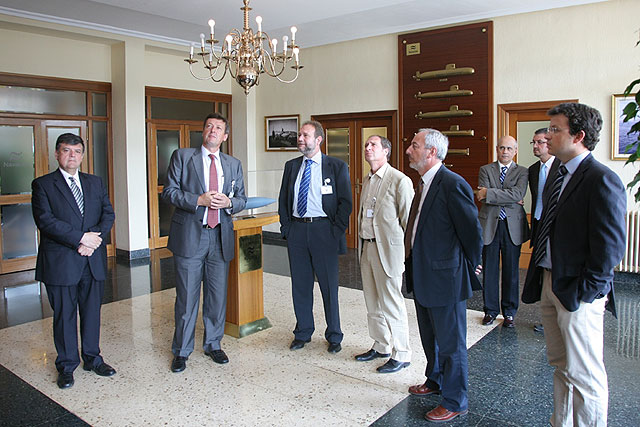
548	217
212	215
503	174
303	191
77	194
408	232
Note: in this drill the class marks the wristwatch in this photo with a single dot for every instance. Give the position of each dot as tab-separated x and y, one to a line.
230	204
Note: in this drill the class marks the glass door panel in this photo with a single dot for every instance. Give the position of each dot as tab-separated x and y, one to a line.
53	129
17	159
168	141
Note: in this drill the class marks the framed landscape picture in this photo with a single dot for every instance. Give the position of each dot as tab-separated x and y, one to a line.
622	143
281	132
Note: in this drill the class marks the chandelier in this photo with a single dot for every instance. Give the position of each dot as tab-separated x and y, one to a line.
244	56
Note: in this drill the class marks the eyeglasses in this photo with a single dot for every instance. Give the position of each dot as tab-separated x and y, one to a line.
553	130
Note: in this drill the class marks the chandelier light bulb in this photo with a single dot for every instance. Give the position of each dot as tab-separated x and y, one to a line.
229	38
211	23
284	43
295	53
259	22
293	34
202	40
274	42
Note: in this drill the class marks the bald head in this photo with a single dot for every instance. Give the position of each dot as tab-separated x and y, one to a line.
506	149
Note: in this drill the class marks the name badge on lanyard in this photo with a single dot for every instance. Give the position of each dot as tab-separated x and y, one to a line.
326	187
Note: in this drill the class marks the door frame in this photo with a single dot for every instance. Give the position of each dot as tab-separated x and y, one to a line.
355	122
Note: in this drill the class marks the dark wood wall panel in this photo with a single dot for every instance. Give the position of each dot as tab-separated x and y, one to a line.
465	46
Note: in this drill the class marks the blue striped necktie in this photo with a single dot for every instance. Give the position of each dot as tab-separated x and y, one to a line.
77	194
548	217
503	174
303	191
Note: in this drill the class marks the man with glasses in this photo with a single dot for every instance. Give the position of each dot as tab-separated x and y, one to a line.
502	186
540	173
579	241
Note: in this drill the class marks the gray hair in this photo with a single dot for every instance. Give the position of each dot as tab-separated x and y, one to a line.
436	139
385	144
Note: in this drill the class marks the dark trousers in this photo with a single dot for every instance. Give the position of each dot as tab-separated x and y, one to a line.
313	251
443	332
501	247
206	267
67	301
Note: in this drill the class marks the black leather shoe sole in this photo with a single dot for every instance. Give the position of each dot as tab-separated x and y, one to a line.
65	380
297	344
370	355
103	370
218	356
179	364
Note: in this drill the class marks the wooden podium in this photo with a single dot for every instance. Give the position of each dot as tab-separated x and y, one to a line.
245	301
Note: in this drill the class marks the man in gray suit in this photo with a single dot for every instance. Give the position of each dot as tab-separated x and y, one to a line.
502	186
206	187
382	218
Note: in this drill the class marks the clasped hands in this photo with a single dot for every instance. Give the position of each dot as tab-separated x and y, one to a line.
214	200
90	241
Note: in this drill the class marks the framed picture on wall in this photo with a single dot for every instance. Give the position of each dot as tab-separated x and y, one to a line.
281	132
622	143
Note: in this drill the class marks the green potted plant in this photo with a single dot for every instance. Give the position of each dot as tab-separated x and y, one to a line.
632	112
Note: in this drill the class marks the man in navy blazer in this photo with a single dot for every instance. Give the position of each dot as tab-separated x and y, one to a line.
579	241
445	241
73	213
206	187
314	207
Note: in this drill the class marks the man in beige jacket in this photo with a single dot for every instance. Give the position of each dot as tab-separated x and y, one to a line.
384	210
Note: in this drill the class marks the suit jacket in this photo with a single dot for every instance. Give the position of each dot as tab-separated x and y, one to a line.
587	238
61	226
534	176
185	183
505	195
390	216
337	205
447	245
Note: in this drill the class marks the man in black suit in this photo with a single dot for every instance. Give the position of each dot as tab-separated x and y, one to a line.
443	243
206	187
73	213
314	207
579	241
540	174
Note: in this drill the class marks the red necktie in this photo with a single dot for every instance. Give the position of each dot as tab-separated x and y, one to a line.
212	216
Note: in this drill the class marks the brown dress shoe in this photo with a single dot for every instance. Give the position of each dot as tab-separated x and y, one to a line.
441	414
422	390
508	322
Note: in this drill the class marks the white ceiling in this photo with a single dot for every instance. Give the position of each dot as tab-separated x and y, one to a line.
319	22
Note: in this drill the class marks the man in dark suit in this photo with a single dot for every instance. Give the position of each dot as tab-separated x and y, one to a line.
206	187
314	207
540	174
443	243
579	241
502	186
73	213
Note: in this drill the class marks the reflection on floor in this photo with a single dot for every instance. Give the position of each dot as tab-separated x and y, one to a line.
265	383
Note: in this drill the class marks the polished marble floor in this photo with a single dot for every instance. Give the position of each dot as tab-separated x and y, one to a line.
265	383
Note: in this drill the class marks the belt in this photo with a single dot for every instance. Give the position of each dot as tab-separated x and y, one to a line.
309	219
370	240
206	226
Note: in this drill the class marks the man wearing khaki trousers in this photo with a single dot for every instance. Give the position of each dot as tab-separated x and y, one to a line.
384	209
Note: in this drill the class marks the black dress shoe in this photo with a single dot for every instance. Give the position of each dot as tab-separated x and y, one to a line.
508	322
65	379
392	365
102	369
488	319
538	327
218	356
370	355
179	364
334	347
297	344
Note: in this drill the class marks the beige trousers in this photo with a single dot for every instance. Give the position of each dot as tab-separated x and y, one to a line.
386	309
575	347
